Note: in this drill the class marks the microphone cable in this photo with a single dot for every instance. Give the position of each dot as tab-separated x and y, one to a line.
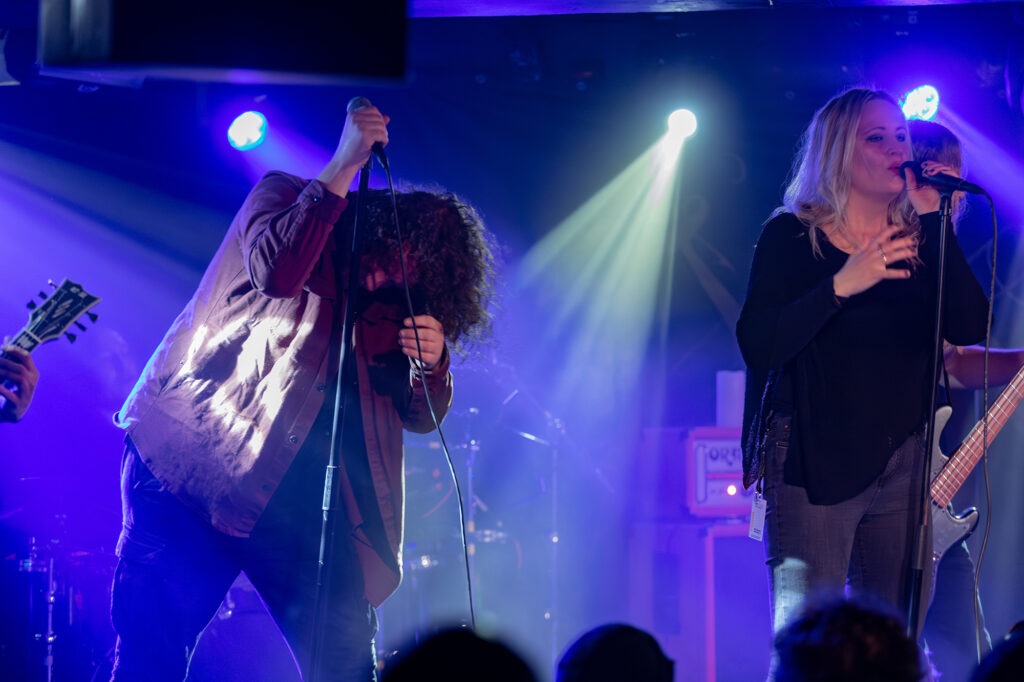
382	160
978	633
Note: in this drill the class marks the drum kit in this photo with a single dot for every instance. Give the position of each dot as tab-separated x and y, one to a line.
56	597
496	481
479	517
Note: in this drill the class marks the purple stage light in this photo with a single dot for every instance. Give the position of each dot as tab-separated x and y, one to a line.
921	103
248	130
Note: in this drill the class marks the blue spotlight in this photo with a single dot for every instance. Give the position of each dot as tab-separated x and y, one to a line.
248	130
682	123
922	102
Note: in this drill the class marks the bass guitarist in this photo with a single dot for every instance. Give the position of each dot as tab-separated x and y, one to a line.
954	628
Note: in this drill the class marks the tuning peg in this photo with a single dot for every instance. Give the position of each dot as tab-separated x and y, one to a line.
81	326
31	305
42	295
71	337
92	316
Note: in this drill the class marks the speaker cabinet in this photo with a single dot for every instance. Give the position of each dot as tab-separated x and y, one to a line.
702	590
223	40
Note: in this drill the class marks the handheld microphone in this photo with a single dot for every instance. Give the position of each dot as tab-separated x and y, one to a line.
939	180
377	148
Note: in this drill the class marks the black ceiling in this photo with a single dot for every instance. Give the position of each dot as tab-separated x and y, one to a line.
471	8
23	12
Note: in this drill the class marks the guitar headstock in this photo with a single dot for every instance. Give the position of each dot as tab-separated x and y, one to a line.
58	311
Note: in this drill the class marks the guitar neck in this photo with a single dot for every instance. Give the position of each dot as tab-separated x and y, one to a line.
966	457
24	340
58	311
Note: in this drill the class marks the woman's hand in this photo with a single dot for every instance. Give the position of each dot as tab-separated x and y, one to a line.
870	263
924	197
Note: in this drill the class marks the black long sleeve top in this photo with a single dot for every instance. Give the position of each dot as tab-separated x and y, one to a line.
856	374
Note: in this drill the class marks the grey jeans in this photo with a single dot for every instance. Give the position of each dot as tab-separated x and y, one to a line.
862	544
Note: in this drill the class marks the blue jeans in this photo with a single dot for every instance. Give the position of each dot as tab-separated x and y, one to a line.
863	543
174	570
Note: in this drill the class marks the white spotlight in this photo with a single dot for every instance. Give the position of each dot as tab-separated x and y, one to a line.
248	130
682	122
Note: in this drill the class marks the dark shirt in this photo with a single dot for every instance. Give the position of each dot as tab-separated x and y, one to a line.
855	374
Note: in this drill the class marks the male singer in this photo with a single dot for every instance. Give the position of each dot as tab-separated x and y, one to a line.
228	429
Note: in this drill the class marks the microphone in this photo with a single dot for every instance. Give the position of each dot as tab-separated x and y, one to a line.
377	148
939	180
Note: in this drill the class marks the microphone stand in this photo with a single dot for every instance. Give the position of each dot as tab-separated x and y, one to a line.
920	558
346	379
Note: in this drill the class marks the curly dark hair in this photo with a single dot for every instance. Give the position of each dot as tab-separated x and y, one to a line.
450	252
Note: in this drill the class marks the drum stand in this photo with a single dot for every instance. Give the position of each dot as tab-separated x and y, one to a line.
472	448
45	632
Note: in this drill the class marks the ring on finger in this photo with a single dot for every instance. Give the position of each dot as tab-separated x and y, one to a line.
881	251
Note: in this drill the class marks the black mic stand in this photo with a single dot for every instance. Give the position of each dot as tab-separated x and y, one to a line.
921	547
345	380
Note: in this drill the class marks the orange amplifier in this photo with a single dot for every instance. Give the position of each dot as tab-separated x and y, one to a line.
714	473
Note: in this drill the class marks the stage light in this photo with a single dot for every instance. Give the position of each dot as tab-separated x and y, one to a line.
921	103
611	260
682	123
248	130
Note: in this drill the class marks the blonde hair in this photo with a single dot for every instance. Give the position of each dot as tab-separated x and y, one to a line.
819	184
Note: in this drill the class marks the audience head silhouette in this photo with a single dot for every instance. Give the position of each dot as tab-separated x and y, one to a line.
1005	663
458	655
615	652
838	639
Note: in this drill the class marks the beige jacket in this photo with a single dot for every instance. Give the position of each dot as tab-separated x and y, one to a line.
231	393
